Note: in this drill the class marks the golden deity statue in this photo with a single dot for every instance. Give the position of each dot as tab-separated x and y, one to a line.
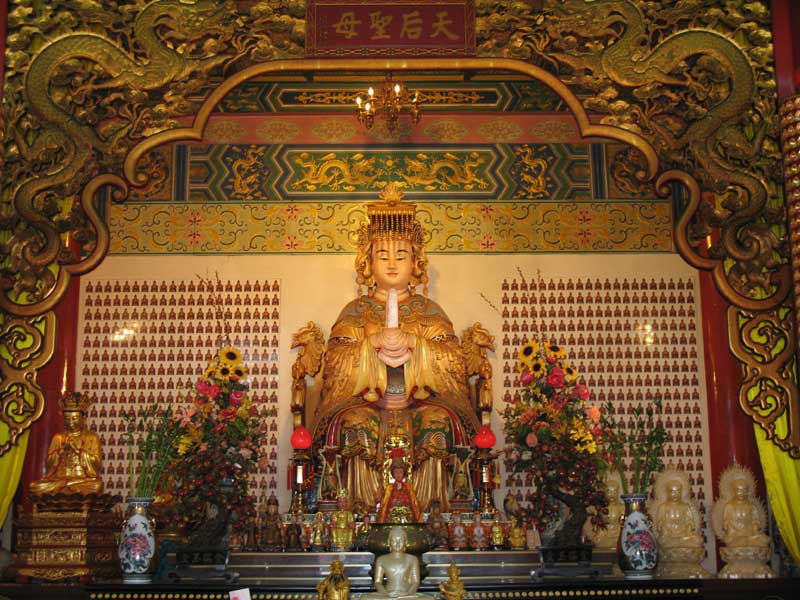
342	525
74	456
335	586
453	588
677	523
394	368
739	520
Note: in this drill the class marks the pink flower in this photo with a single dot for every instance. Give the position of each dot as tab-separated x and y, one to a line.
555	378
582	391
202	386
531	440
227	413
593	412
213	391
551	359
236	397
526	377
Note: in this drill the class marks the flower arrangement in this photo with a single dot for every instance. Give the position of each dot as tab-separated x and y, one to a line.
644	444
554	435
219	447
152	438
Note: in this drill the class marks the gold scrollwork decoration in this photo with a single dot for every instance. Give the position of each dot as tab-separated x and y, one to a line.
27	345
700	87
766	343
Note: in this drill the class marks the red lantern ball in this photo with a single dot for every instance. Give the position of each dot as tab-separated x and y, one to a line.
301	438
485	438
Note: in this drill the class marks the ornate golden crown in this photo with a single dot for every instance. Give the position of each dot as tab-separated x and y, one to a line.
74	402
393	218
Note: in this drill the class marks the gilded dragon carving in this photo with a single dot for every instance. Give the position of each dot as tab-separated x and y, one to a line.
86	81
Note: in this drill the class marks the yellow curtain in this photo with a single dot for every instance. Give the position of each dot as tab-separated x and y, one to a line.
782	475
10	470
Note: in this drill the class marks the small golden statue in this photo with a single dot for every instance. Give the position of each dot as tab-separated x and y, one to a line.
517	539
74	457
453	588
342	525
739	519
335	586
677	524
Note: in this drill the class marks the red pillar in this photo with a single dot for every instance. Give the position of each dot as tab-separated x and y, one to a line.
731	436
58	374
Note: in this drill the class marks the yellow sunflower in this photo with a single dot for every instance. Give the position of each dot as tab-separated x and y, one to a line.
528	353
223	371
537	367
230	356
239	371
554	350
570	373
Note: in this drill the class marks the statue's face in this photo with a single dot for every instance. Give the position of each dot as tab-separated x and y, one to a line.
613	488
73	420
740	489
392	264
675	491
399	473
397	540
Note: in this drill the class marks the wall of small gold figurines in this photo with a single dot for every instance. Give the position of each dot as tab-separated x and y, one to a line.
148	341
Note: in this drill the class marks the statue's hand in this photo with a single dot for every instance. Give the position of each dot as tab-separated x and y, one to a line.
394	346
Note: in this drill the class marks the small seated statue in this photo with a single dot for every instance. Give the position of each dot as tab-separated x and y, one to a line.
271	526
453	588
294	535
74	456
399	493
458	534
342	525
498	536
606	539
739	520
363	530
677	524
397	574
437	527
480	537
517	539
335	586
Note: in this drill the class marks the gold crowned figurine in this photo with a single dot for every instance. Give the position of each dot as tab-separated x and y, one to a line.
74	456
342	525
394	367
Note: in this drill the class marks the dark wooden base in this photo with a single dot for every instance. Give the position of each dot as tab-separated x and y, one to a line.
690	589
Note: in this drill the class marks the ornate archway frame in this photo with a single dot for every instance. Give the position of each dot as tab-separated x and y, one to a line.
761	323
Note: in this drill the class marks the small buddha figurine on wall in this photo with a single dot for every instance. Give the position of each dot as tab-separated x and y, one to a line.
739	520
677	523
74	456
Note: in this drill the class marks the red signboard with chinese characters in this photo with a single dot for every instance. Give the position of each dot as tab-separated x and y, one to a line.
399	28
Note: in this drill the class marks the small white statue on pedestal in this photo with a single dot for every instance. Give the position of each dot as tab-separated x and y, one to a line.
739	520
677	524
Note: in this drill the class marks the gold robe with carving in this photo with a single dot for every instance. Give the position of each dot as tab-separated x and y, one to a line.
438	412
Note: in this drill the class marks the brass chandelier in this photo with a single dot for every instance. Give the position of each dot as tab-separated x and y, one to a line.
388	103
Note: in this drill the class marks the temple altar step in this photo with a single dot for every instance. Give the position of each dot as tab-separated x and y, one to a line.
306	569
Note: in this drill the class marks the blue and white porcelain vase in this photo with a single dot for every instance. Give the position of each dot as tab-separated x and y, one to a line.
137	544
637	551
